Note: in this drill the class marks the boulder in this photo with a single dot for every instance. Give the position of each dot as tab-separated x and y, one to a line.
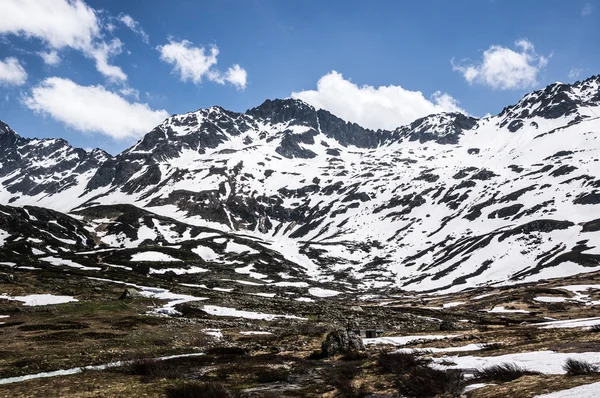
129	294
341	342
7	278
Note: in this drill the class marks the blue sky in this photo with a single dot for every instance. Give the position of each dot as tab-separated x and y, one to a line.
114	69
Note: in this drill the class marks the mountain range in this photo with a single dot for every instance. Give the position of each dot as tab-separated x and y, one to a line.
291	194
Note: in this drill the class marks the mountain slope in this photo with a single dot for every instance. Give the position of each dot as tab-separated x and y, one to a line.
445	203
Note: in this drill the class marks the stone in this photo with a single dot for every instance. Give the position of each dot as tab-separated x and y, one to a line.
7	278
341	342
129	294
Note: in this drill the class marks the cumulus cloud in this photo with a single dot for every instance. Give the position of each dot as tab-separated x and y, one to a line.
197	63
50	58
92	108
12	73
385	107
60	24
134	25
236	76
505	69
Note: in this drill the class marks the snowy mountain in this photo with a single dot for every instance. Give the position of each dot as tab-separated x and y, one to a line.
443	204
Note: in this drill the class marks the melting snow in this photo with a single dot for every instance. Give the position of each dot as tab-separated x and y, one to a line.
40	299
237	248
152	256
179	271
548	362
216	333
468	347
249	270
404	340
544	299
320	292
224	311
585	391
65	372
206	253
501	309
68	263
570	323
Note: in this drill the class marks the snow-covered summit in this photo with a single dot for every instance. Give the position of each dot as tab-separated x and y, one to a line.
446	202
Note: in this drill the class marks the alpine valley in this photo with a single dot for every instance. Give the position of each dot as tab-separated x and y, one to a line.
286	216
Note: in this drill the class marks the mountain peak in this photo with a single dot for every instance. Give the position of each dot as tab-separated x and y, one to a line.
284	110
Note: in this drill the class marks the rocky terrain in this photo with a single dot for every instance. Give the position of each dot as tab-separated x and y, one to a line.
285	252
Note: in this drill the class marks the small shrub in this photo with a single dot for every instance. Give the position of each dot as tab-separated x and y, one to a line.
574	367
346	389
354	355
311	329
530	336
197	390
503	372
400	362
270	375
227	352
447	325
151	368
423	381
344	372
318	354
446	362
342	378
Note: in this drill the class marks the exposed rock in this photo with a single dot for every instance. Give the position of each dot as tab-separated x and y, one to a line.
7	278
340	342
129	294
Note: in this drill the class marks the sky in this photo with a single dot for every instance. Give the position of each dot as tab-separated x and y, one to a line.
102	73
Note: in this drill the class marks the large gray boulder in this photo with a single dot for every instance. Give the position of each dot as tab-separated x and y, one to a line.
129	294
341	342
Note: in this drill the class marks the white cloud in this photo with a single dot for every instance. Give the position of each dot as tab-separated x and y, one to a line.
101	53
60	24
191	63
130	92
134	26
587	10
92	108
196	63
574	73
236	76
50	58
12	73
385	107
505	69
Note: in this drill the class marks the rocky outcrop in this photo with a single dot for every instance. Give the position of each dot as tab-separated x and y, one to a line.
339	342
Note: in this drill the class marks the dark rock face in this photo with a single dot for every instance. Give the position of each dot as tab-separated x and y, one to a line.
444	128
341	342
28	230
302	114
505	212
555	101
46	166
